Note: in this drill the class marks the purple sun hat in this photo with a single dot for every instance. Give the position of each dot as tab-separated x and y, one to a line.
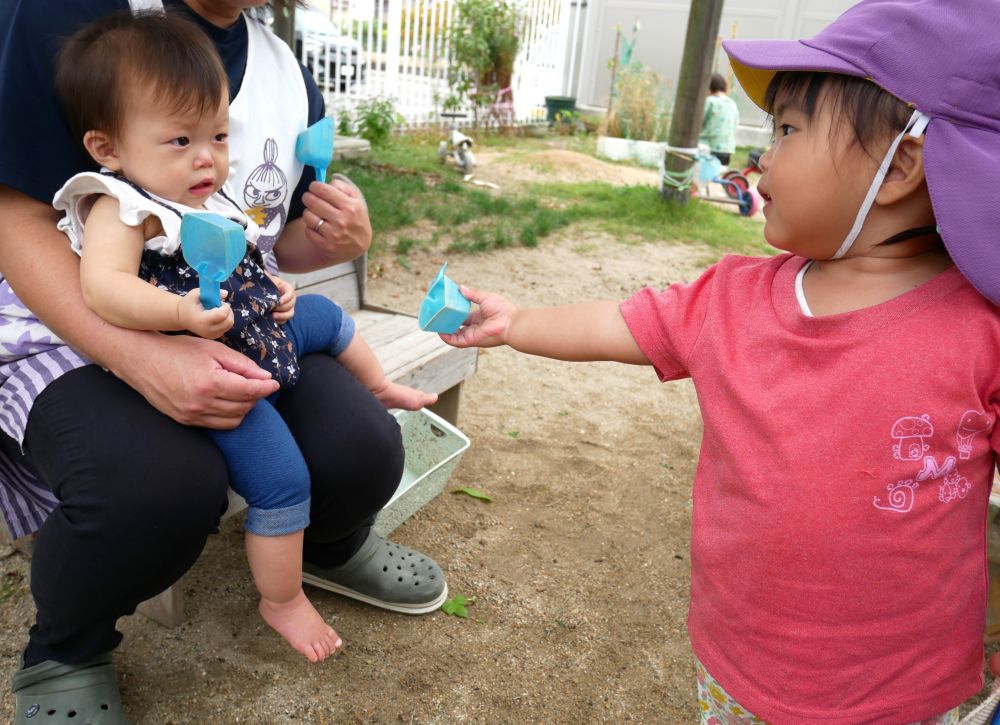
943	58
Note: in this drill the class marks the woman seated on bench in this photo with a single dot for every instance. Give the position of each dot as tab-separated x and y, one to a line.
83	422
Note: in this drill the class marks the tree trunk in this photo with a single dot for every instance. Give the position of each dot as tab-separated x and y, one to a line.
692	88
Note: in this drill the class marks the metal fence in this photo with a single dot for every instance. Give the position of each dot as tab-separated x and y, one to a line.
364	49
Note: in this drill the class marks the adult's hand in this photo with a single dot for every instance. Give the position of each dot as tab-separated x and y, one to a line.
344	234
195	381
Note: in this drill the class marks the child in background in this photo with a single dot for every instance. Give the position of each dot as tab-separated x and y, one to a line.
718	125
849	386
149	97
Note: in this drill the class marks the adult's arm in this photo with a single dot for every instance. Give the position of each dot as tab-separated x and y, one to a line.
346	232
194	381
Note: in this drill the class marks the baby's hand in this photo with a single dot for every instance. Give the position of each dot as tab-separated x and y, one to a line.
285	309
210	324
487	325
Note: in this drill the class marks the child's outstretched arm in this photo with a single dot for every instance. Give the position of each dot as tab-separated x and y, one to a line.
580	332
112	288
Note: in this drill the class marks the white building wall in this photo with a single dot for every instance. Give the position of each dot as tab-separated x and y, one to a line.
660	42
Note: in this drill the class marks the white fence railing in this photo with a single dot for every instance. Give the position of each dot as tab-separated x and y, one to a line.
399	49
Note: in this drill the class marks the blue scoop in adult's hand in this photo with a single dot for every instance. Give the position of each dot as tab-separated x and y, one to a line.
314	146
213	245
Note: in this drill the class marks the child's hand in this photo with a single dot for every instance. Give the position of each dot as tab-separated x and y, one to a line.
210	324
285	309
487	325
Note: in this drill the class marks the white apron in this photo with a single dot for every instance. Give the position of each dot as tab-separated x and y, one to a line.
265	118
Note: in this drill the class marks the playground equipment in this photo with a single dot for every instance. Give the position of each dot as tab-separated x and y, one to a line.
741	178
457	146
736	186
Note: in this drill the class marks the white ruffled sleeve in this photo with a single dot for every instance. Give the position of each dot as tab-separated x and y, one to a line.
76	198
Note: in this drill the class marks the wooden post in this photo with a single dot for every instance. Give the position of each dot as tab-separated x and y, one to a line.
284	22
692	87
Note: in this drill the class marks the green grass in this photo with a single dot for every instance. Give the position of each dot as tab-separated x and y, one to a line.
405	184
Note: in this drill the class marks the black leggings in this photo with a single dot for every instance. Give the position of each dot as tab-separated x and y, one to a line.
138	494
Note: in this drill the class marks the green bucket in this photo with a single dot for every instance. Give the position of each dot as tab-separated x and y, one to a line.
557	104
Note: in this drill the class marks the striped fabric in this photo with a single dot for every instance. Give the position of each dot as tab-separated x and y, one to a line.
31	357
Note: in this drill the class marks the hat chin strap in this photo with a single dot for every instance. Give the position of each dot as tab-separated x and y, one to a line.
915	127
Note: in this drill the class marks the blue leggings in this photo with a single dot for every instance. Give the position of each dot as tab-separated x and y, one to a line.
265	464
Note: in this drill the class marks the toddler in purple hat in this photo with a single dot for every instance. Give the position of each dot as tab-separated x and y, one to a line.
849	385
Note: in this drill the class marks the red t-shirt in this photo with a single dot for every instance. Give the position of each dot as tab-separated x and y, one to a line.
838	545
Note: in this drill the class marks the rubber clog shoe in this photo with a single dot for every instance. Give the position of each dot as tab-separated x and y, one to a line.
387	575
85	693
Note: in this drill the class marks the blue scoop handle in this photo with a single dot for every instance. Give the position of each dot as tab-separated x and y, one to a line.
314	146
213	245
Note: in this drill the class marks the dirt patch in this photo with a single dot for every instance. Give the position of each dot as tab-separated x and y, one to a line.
579	567
509	170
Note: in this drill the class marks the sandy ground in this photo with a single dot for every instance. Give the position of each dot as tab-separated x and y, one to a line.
579	567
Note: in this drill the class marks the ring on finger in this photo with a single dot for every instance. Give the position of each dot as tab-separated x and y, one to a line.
320	223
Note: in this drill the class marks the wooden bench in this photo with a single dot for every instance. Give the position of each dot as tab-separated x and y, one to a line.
407	354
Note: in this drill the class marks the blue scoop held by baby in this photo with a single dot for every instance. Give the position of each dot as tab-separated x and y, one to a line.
212	245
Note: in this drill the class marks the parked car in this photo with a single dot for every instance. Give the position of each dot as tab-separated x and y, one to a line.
329	55
319	45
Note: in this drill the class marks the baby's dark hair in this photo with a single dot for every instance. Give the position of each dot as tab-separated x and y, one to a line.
872	113
101	66
717	82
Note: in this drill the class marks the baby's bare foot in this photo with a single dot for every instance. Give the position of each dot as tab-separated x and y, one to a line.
393	395
302	626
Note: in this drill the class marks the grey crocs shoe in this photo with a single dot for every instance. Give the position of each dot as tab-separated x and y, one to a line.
385	575
53	692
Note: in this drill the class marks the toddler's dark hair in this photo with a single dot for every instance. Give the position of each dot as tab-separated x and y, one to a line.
872	113
717	82
100	68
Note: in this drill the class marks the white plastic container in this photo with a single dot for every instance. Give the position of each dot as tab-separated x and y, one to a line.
433	448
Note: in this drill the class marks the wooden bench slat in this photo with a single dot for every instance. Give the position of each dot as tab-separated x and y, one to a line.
343	289
345	269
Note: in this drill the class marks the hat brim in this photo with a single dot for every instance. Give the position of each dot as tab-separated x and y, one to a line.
963	188
755	62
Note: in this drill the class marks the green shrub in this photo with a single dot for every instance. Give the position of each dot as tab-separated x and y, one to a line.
375	119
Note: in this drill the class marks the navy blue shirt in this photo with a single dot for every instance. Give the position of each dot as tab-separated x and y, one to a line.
37	151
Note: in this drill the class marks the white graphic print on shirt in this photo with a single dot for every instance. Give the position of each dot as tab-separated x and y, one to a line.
910	434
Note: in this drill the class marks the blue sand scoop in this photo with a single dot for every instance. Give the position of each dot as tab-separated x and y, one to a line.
314	146
213	245
444	309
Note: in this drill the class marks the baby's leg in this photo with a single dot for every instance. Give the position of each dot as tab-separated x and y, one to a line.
276	565
267	469
361	362
320	325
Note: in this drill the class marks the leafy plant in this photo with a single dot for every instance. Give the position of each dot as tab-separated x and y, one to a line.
568	123
376	118
485	38
474	493
639	109
344	125
458	605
